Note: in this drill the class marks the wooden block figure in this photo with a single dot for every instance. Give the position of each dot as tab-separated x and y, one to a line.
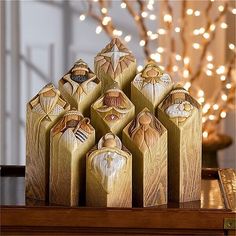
146	138
71	138
80	87
182	116
43	111
111	112
109	174
115	63
150	86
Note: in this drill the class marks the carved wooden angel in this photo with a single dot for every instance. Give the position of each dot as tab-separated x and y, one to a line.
42	113
111	112
146	138
109	174
115	63
182	116
80	87
71	138
151	85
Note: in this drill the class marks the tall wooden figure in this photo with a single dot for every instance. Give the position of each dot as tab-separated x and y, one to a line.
80	87
115	63
111	112
182	116
71	138
109	174
43	111
151	85
146	138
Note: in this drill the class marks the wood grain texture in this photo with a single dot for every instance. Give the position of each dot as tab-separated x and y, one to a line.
109	176
82	93
184	153
43	111
115	63
123	111
149	163
67	161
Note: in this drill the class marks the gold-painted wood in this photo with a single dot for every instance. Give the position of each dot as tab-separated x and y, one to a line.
43	111
146	138
71	138
228	184
115	63
150	86
111	113
109	174
80	87
182	116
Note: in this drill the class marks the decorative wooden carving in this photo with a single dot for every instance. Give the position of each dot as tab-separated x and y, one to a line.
80	87
71	138
43	111
146	138
109	174
111	112
151	85
115	63
182	116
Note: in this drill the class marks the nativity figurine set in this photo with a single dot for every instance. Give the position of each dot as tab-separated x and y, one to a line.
113	137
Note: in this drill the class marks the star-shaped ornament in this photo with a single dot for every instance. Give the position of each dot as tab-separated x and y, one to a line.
115	56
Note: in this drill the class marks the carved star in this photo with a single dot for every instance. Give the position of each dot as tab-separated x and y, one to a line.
115	56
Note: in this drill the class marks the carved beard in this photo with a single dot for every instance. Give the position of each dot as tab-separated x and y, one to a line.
111	101
79	78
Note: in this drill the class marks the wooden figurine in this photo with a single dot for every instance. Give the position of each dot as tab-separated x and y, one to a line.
146	138
182	116
115	63
71	138
109	174
43	111
80	87
111	113
150	86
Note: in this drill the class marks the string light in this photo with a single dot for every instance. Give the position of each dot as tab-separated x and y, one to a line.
221	8
205	134
156	57
209	58
153	36
177	29
223	25
160	49
197	13
222	77
206	107
144	14
104	10
200	93
206	35
212	27
175	68
161	31
215	107
196	45
234	11
127	38
152	17
123	5
231	46
106	20
82	17
117	32
139	68
211	117
187	85
98	29
142	43
210	66
224	97
220	70
178	57
167	18
223	114
209	73
186	60
189	11
201	100
186	73
228	86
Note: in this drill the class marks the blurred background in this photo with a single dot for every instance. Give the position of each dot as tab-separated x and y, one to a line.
193	40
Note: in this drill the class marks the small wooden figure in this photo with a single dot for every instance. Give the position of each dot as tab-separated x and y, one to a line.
150	86
109	174
146	138
43	111
80	87
115	63
182	116
111	113
71	138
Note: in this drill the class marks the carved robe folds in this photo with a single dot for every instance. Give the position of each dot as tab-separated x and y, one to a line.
109	174
182	116
71	138
146	138
115	63
80	87
150	86
42	113
111	112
